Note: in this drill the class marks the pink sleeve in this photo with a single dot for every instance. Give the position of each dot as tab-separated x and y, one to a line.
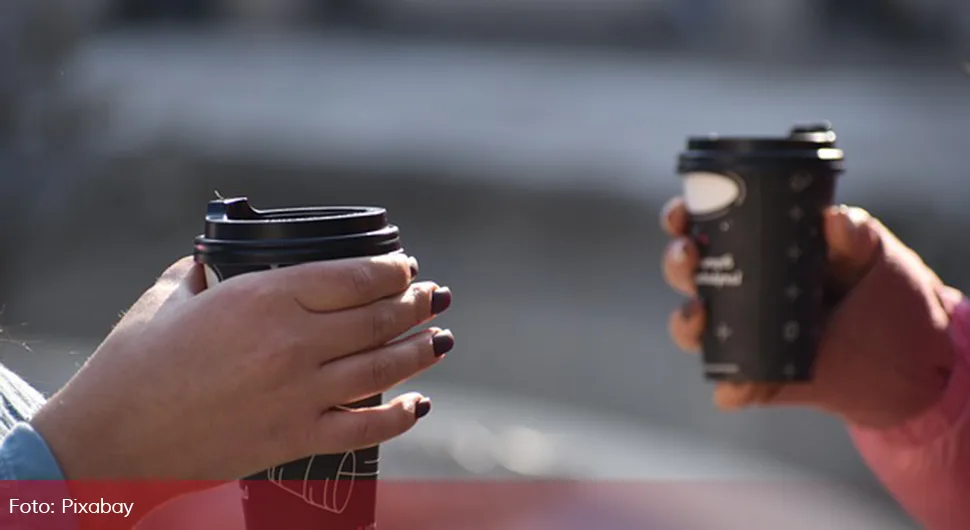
925	463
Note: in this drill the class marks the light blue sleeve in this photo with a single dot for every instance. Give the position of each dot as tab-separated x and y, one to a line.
25	459
24	455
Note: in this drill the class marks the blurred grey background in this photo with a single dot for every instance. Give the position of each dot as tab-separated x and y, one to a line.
524	148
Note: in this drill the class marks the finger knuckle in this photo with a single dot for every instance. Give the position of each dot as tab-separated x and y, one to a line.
396	271
383	321
382	371
361	280
362	430
420	302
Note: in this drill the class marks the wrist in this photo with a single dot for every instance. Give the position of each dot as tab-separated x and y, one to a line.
929	424
925	394
887	356
79	440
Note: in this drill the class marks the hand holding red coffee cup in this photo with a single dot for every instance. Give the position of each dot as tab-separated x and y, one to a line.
336	490
218	383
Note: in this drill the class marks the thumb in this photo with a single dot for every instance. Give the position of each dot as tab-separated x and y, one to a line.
181	281
853	240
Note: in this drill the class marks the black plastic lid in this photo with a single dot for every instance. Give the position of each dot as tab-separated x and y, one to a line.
235	231
235	219
804	142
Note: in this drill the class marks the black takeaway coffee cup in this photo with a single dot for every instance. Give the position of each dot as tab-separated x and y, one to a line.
755	207
321	491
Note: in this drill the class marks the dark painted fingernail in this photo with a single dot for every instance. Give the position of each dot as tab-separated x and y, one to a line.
413	262
443	342
440	300
688	310
422	408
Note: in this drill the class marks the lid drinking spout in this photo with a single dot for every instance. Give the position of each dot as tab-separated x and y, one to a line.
232	208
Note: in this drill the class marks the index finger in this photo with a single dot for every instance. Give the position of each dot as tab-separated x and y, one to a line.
336	285
674	218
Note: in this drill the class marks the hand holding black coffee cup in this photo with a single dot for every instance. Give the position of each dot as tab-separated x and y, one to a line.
755	210
319	491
